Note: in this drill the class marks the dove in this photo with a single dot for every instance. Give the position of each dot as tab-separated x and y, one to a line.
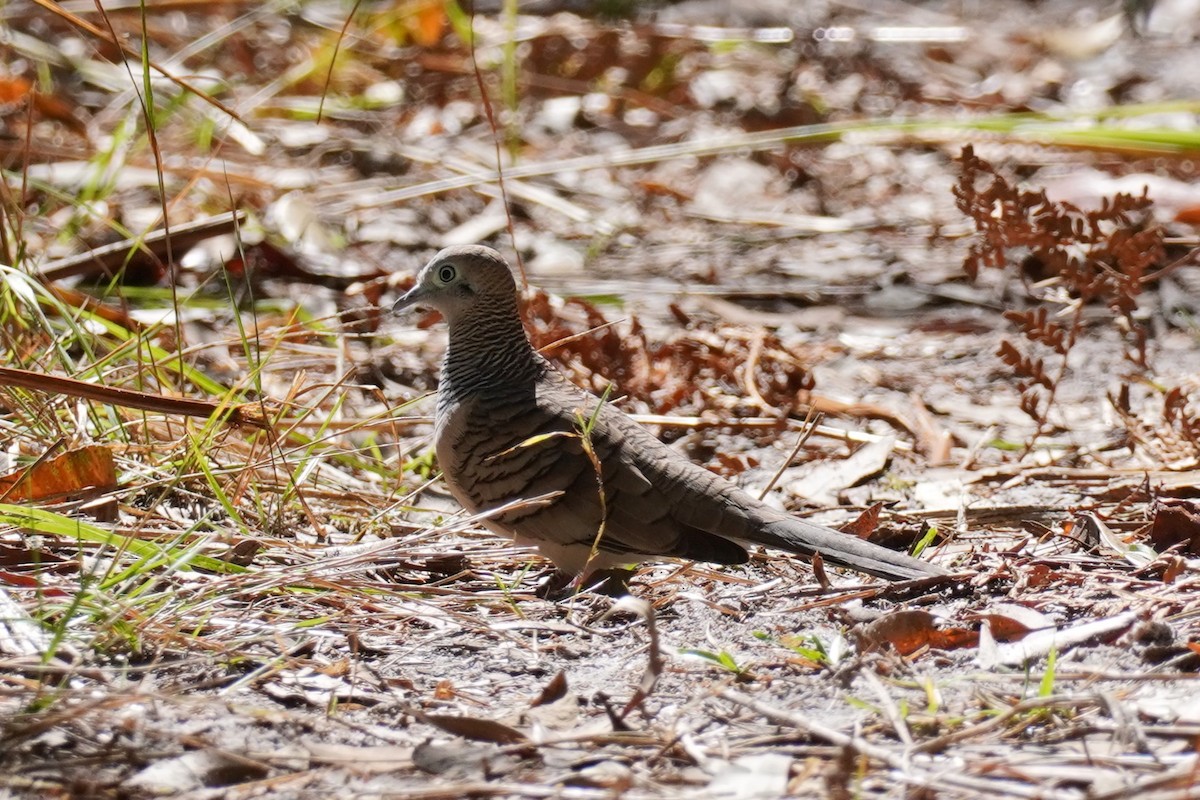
572	475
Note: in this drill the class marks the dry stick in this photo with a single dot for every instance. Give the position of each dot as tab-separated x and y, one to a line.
655	662
20	230
742	423
890	710
108	258
907	772
1188	259
695	423
750	367
811	420
16	730
557	343
456	791
10	216
241	414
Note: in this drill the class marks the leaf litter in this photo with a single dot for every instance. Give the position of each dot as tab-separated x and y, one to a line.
291	607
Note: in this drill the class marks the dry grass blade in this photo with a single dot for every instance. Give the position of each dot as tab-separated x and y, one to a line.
254	415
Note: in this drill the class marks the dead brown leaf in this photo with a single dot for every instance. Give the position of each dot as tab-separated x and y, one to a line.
89	467
1176	522
475	728
910	630
553	691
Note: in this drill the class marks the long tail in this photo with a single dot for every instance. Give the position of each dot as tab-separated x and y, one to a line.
797	536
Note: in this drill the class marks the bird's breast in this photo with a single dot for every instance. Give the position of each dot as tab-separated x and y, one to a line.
449	429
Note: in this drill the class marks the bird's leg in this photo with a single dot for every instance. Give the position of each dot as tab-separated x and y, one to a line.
557	585
560	585
613	582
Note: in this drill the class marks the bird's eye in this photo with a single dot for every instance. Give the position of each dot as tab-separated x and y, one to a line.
446	273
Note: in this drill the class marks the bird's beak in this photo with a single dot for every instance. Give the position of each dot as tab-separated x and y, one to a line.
409	299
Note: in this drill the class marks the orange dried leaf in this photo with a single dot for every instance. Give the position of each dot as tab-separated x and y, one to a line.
22	581
906	631
427	23
866	522
1005	628
953	638
1010	621
818	568
16	89
13	89
88	467
337	669
1174	568
30	582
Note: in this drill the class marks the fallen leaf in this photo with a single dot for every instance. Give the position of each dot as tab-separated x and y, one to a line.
475	728
1095	528
13	89
865	523
1176	523
376	759
555	690
427	23
823	480
89	467
910	630
1009	621
21	557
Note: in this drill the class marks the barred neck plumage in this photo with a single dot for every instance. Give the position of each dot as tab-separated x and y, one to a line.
488	353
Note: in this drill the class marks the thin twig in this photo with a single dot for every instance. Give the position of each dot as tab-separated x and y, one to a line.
811	420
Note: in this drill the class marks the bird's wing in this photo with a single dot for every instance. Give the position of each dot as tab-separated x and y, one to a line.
502	451
670	503
639	498
652	501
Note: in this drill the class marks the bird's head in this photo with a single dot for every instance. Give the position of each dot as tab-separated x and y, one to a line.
460	280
